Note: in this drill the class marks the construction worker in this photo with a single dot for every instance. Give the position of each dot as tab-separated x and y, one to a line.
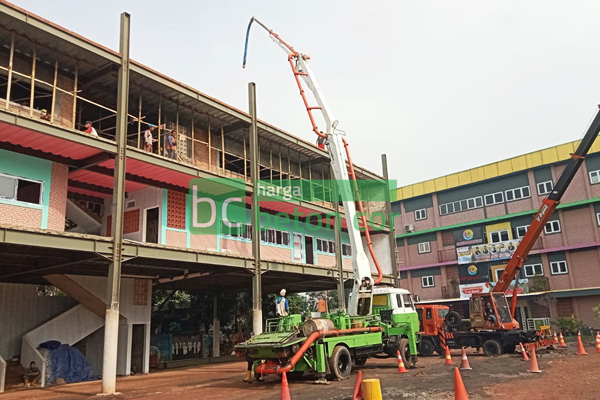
90	129
282	306
148	139
171	145
321	142
322	305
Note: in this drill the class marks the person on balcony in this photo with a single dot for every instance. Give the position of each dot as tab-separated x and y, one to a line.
31	375
90	129
149	139
171	145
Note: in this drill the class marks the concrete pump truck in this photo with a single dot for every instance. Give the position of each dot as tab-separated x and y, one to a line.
380	320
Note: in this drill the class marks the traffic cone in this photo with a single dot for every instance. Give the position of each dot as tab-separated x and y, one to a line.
464	362
357	395
401	368
448	356
460	393
285	389
533	365
524	353
580	349
555	341
562	340
597	343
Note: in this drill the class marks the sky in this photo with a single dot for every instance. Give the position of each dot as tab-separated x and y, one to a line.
438	86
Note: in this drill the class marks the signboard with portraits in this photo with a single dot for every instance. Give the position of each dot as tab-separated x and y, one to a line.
486	252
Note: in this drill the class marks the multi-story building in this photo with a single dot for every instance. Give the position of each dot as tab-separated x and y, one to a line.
456	233
56	191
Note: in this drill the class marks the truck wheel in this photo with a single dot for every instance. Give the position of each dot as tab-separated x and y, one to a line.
340	363
360	361
426	348
404	348
453	320
509	349
492	348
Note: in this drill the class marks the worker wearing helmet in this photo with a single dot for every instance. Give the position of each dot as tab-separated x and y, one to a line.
282	306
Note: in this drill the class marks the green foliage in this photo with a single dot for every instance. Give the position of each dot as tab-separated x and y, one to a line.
597	311
175	328
537	283
454	282
568	324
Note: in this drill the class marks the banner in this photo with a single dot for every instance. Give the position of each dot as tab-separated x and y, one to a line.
466	291
487	252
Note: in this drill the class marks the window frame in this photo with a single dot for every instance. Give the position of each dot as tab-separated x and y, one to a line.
420	214
500	236
533	270
428	250
520	227
430	279
597	174
598	218
549	223
545	183
514	194
558	263
494	198
16	190
346	250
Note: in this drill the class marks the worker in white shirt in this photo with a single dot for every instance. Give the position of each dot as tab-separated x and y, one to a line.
90	129
148	139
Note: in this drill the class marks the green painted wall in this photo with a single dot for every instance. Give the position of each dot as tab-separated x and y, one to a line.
418	203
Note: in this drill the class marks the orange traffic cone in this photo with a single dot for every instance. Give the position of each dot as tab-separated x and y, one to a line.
580	349
562	341
448	356
401	368
598	342
464	362
555	341
357	395
524	353
460	393
285	389
533	365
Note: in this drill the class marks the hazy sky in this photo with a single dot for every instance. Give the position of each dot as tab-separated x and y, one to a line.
438	86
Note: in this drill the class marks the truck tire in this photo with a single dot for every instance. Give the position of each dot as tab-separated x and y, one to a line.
360	362
404	348
510	348
492	348
340	363
426	348
453	320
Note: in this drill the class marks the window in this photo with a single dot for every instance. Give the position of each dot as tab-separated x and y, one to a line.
598	218
494	198
346	250
427	281
518	193
499	236
552	227
424	247
545	187
498	273
594	176
420	214
558	267
475	202
521	231
19	189
533	270
461	205
326	246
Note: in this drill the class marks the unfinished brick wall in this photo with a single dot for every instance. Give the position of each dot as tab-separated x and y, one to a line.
539	311
21	216
57	207
131	222
564	307
63	107
176	212
201	149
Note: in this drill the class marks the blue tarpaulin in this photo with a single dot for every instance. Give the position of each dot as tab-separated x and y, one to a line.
68	363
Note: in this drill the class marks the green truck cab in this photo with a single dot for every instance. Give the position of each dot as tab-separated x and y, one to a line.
329	346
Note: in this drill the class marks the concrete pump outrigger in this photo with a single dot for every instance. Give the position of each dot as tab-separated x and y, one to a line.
379	320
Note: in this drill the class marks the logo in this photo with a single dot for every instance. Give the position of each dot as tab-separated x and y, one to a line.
472	270
468	234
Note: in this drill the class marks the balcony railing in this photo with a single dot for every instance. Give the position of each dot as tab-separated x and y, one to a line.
539	284
447	255
450	292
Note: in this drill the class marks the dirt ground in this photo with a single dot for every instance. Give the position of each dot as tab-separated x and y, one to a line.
564	376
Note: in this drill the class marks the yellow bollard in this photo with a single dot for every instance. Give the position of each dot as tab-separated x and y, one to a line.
371	389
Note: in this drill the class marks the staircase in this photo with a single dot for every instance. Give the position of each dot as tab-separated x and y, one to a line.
14	376
85	220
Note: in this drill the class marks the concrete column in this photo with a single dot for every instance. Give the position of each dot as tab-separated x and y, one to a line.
216	327
111	328
254	207
390	222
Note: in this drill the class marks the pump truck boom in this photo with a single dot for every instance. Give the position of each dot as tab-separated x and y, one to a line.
379	320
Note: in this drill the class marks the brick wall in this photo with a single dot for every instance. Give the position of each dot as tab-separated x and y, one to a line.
585	305
409	218
430	293
21	216
203	242
176	211
521	205
176	238
57	207
578	226
495	211
538	310
414	258
465	216
577	189
451	272
201	149
275	253
564	307
325	260
585	268
237	247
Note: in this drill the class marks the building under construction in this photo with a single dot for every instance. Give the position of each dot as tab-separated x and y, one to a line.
58	186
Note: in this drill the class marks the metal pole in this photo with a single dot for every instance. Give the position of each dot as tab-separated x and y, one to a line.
140	122
75	94
111	328
159	118
209	146
10	68
388	211
216	326
54	92
192	136
339	262
256	278
33	82
223	150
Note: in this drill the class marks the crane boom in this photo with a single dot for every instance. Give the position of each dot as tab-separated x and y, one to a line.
360	300
549	204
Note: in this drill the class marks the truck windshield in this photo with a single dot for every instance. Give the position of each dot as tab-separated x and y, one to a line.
407	300
442	312
502	307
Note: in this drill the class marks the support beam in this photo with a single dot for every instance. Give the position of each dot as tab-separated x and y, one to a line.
53	105
390	223
10	67
32	94
216	327
255	210
92	77
140	179
75	95
89	187
111	328
339	262
16	148
92	161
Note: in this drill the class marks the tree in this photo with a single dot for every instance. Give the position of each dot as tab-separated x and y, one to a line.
597	311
